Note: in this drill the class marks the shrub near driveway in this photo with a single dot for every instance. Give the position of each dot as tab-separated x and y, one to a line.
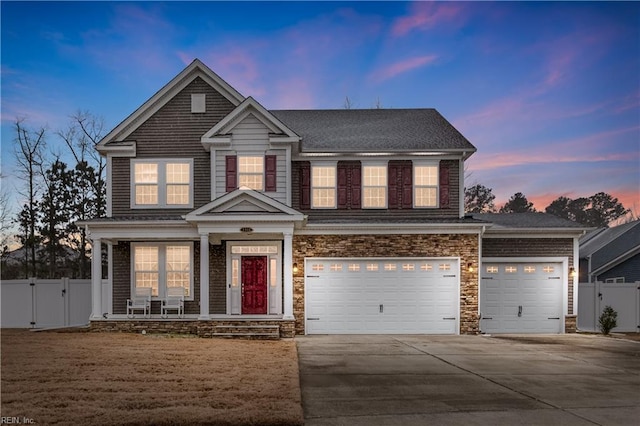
112	378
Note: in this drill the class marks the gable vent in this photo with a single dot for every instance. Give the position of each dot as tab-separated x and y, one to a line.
198	104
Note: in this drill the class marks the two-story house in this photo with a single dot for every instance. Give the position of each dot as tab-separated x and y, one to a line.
312	221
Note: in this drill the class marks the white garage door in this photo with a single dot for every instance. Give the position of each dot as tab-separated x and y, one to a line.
386	296
521	297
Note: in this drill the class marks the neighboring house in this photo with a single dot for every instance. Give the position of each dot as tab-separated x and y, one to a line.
611	255
314	221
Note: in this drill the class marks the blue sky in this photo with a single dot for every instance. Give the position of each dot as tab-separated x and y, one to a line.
549	93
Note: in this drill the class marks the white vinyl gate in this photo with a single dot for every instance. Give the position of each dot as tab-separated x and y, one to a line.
624	298
40	303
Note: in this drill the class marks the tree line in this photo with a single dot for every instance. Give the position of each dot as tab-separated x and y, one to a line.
598	210
54	194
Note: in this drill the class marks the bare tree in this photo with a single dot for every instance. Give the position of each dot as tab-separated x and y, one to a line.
28	150
348	104
84	132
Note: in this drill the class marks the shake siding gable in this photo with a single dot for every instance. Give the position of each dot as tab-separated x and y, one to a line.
172	132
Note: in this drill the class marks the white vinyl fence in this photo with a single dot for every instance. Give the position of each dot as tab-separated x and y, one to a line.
39	303
624	298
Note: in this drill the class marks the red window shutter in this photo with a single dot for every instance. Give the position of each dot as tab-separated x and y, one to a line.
356	186
231	171
270	172
305	185
407	186
444	186
342	186
392	184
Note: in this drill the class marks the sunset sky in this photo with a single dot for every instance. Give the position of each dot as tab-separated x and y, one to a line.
549	93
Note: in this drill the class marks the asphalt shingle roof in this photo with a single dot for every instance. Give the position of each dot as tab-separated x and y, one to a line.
371	130
611	243
526	220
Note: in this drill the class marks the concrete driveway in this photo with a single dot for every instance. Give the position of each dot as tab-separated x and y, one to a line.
469	380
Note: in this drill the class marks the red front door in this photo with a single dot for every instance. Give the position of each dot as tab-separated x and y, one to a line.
254	284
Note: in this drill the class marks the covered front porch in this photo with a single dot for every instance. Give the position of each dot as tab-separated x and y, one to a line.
233	257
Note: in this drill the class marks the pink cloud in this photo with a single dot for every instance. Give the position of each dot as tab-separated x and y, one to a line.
426	15
579	150
401	67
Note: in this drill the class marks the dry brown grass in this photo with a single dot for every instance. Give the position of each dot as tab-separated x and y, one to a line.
126	379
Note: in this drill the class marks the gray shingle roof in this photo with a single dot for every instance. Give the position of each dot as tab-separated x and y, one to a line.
526	220
370	130
611	243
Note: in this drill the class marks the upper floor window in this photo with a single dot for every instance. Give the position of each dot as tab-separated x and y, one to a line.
374	186
162	183
425	185
251	172
323	186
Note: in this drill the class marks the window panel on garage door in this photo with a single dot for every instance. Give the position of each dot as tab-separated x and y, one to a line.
381	296
521	297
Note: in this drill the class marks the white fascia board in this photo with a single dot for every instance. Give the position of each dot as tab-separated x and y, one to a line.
166	93
144	234
399	155
215	142
387	229
233	229
250	106
246	219
118	150
532	233
241	194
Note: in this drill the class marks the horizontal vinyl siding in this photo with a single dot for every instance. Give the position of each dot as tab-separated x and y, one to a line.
250	136
172	132
451	212
629	269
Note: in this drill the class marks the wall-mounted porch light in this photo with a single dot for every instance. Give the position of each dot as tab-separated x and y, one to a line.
470	267
572	272
295	268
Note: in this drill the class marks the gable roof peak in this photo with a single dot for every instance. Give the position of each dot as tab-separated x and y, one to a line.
192	71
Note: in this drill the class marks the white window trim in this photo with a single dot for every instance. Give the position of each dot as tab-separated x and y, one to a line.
162	183
435	164
333	164
384	164
162	267
263	173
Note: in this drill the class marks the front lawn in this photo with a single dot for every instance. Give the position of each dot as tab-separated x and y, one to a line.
127	379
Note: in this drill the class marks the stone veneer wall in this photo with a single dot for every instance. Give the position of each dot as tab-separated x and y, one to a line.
185	326
464	246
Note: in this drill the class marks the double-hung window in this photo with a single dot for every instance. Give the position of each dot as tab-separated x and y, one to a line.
251	172
162	183
425	185
323	186
160	266
374	186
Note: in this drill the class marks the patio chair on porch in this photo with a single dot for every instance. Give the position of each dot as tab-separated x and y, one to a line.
140	301
174	300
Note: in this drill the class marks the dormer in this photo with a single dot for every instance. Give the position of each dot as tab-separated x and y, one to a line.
251	148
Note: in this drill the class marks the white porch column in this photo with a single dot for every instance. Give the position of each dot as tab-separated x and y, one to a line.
288	275
96	279
204	277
